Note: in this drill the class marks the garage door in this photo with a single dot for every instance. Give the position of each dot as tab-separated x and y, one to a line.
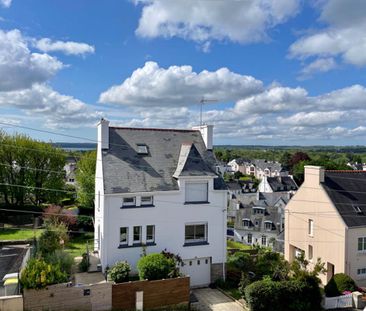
198	269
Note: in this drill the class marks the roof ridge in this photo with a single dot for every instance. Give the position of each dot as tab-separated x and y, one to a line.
153	129
345	171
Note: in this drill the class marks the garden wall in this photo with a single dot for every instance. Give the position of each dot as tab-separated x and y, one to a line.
65	298
155	293
11	303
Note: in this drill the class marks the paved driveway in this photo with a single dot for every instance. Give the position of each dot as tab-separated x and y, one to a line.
213	300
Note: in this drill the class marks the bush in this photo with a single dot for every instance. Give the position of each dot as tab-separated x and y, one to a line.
52	238
85	222
38	274
84	263
61	258
155	267
339	283
120	272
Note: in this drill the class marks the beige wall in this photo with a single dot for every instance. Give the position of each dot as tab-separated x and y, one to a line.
328	241
11	303
356	260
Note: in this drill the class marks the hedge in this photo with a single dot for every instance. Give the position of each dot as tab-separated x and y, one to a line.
339	283
155	267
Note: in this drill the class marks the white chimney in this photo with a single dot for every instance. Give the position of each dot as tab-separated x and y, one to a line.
313	174
207	134
103	134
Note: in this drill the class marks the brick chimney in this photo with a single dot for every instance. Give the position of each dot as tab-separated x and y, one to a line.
103	133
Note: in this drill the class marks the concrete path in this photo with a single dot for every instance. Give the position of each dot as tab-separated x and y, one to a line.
214	300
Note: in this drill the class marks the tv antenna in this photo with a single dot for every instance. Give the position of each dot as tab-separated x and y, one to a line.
203	101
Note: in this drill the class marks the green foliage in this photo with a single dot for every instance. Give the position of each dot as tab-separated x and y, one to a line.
339	283
85	222
120	272
52	238
38	274
84	263
293	295
85	178
155	267
19	152
61	258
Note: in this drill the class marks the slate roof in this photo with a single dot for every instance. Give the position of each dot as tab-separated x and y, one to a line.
282	183
233	185
170	152
347	190
11	259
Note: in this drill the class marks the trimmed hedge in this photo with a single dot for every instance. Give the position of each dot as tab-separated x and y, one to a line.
339	283
155	267
120	272
295	295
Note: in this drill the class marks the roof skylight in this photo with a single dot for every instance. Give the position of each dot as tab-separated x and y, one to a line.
142	149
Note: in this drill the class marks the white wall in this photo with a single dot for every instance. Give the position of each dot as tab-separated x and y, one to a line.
169	217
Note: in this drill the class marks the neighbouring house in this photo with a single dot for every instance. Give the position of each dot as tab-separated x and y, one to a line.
12	259
278	184
70	168
258	168
157	189
357	166
326	219
260	219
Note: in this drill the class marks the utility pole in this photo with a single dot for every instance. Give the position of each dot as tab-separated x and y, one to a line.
202	101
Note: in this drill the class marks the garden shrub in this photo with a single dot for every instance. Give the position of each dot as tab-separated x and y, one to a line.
84	263
61	258
339	283
38	274
155	267
120	272
52	238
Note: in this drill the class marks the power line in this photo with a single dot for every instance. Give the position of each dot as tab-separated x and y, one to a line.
45	213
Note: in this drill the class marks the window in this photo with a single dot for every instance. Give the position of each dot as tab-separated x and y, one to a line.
268	225
361	271
146	200
357	209
123	235
196	233
362	244
264	240
258	210
246	222
150	234
249	238
137	234
311	227
310	252
130	201
142	149
197	192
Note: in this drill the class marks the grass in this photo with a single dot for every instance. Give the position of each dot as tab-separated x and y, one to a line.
18	233
233	292
237	245
77	245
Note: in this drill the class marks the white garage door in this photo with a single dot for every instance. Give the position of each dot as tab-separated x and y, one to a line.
198	269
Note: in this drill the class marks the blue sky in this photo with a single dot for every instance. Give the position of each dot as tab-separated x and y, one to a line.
282	72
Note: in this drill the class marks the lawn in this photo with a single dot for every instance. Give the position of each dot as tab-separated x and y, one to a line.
19	233
77	245
237	245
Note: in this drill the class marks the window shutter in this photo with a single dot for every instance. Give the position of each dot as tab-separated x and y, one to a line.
196	192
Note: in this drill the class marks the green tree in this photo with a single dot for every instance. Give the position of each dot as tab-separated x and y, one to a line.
52	238
85	178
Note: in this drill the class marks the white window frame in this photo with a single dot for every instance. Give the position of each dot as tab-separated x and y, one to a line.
120	235
363	244
133	203
264	238
152	240
246	220
192	183
268	225
311	227
149	200
250	238
140	235
189	241
361	272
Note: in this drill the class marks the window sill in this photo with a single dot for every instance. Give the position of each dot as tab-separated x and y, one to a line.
135	206
137	245
195	203
195	243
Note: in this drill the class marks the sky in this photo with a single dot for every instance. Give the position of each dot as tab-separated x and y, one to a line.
284	72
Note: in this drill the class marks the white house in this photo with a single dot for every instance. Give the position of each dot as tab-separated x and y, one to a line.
158	188
278	184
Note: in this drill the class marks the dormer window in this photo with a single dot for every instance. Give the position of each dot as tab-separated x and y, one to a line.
196	192
258	210
268	225
142	149
246	222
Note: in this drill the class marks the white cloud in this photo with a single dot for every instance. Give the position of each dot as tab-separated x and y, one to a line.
57	110
67	47
154	86
237	21
315	118
344	35
5	3
20	66
318	65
